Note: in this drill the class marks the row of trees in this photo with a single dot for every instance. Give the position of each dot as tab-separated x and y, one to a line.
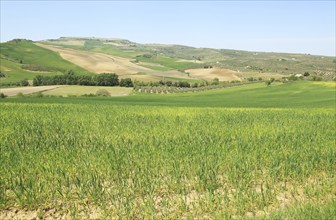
179	84
105	79
167	89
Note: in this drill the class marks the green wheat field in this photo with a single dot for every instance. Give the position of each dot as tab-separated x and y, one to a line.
249	151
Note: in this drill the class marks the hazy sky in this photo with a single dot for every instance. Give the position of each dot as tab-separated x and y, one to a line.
278	26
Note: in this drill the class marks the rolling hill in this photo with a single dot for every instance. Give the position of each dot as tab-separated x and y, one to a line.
22	59
152	62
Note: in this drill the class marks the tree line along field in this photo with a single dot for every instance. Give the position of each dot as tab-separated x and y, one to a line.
243	152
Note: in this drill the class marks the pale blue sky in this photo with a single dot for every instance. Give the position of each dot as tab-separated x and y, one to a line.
277	26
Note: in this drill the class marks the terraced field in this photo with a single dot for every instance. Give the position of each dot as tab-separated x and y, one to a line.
253	151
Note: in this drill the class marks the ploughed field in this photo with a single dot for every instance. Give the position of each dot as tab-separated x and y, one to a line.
120	158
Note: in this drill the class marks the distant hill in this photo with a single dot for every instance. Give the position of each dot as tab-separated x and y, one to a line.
153	62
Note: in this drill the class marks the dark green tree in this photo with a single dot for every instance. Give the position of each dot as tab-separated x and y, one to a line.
107	79
127	82
38	80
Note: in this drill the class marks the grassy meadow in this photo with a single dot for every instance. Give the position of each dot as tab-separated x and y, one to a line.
249	151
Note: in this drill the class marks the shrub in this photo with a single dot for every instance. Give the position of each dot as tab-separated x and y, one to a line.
194	85
103	92
20	94
317	78
38	95
24	82
2	96
215	81
89	95
148	56
293	78
169	83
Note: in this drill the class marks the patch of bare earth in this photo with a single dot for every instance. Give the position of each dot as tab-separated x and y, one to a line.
68	42
192	61
211	73
26	90
168	204
97	62
291	194
50	213
104	63
149	64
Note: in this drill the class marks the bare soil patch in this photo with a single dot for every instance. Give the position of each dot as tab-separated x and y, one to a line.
68	42
104	63
211	73
98	62
150	64
191	61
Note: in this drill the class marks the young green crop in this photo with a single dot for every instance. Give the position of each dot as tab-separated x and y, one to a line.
131	161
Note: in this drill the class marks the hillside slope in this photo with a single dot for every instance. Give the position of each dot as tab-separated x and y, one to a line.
105	63
22	59
180	57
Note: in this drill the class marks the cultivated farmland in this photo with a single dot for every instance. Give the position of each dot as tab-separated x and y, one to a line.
244	152
26	90
87	90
